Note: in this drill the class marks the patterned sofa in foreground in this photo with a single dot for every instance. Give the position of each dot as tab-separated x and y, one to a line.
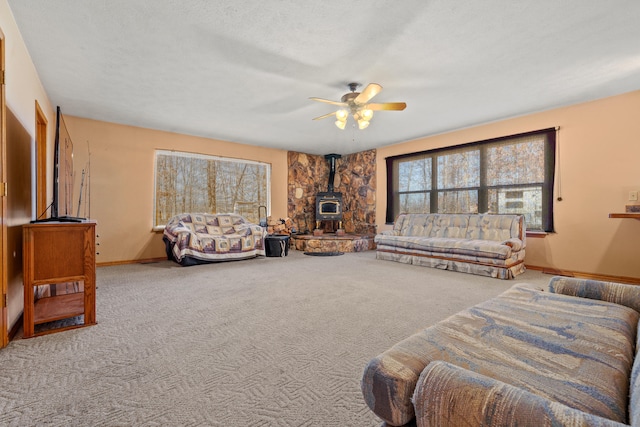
487	245
197	238
562	356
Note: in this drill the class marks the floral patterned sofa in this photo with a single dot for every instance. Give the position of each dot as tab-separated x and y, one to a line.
197	238
487	245
557	355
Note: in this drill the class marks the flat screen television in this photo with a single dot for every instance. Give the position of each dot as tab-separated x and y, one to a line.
61	206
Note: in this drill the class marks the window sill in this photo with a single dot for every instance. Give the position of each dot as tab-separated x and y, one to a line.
158	229
537	234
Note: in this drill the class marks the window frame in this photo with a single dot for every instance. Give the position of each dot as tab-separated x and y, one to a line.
547	186
208	157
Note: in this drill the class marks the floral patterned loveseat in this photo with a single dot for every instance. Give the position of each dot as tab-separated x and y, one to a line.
197	238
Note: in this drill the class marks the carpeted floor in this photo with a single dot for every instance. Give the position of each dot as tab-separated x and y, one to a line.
263	342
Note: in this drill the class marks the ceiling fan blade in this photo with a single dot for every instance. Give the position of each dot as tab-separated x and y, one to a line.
342	104
325	116
369	92
393	106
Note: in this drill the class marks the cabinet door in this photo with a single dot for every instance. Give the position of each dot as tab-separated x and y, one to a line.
58	252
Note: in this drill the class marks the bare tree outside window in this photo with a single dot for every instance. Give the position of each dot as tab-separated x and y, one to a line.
458	181
188	182
415	185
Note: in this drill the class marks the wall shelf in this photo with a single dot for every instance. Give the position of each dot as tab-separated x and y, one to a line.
634	215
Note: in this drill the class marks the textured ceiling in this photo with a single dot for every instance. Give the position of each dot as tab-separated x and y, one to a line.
243	70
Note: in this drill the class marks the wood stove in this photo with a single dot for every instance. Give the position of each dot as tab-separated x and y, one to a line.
329	206
329	203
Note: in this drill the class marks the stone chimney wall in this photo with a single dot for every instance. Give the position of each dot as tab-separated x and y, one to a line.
355	179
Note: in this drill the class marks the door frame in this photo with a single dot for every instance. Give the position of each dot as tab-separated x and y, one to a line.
41	162
4	332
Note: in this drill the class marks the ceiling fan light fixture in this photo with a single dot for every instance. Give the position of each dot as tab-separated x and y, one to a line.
357	105
363	124
342	115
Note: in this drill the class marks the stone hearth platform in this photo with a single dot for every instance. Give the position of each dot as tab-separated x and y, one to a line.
329	242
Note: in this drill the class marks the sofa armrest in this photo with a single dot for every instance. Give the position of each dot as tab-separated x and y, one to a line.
172	232
387	386
516	244
389	233
447	395
627	295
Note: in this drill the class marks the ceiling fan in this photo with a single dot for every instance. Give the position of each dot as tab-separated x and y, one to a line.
357	104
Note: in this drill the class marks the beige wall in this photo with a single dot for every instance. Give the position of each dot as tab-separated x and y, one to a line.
122	181
22	89
23	86
598	148
599	163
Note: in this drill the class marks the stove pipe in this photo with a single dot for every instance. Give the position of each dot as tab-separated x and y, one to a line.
332	169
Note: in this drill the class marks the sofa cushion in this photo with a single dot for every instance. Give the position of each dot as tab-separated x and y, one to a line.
515	257
494	227
460	226
414	225
569	350
444	245
432	225
618	293
449	396
453	226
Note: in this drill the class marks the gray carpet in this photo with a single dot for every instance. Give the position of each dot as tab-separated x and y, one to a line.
262	342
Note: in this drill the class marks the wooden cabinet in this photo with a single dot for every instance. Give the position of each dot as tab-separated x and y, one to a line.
57	253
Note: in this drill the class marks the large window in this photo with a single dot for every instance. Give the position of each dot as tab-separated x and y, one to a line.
187	182
511	175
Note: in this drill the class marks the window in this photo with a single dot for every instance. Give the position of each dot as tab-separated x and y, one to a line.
187	182
510	175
